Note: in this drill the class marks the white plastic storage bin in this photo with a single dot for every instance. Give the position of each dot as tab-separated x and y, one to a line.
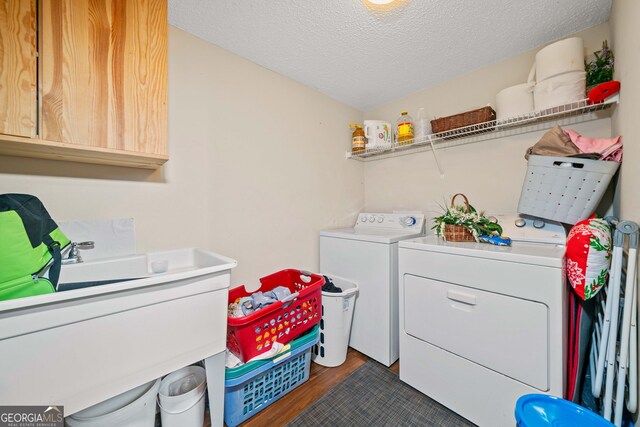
514	101
335	326
560	90
564	189
561	57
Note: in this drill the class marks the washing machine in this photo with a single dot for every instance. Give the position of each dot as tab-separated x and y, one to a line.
367	254
481	325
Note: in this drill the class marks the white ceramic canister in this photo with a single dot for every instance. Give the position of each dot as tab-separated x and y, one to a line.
378	133
560	90
561	57
514	101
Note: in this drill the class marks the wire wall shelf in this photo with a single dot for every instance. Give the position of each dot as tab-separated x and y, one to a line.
576	112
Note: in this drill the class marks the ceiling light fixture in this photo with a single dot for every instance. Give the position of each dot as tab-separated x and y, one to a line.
384	6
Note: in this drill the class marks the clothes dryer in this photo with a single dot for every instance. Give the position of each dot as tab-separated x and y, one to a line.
367	254
482	325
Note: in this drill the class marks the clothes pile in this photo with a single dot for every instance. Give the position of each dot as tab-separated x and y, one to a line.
247	305
330	287
232	361
569	143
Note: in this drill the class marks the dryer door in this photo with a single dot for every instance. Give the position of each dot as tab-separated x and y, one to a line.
506	334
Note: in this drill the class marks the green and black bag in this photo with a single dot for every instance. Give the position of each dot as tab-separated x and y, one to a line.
30	243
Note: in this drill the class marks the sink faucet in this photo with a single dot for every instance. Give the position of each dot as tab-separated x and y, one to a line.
73	256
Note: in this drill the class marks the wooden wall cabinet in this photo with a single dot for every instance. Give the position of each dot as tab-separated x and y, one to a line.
102	80
18	68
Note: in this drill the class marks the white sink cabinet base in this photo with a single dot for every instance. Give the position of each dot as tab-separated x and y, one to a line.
81	347
215	366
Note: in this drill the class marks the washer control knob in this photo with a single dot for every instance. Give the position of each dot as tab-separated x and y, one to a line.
520	222
409	221
372	218
538	223
380	218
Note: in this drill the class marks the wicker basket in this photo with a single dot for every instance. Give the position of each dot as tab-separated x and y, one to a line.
481	115
458	233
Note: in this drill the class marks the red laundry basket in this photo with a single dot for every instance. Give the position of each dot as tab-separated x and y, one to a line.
282	321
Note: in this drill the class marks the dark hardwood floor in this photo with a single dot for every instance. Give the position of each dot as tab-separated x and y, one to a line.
321	380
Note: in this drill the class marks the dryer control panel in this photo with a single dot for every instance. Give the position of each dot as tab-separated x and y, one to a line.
390	221
529	229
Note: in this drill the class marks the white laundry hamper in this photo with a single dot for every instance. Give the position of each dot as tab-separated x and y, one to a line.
564	189
335	326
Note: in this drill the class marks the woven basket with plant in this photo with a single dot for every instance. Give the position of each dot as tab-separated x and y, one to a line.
462	223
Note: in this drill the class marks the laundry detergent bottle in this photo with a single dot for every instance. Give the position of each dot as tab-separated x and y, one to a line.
358	140
404	127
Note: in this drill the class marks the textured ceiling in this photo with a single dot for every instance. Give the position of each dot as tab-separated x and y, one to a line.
366	57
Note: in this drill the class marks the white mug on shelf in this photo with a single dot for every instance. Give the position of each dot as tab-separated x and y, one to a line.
379	134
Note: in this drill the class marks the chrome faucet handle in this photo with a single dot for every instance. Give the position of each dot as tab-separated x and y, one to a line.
73	256
85	245
74	249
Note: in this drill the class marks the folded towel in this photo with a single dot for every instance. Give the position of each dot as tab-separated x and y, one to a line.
608	148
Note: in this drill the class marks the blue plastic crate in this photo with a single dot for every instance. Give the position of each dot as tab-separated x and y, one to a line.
250	393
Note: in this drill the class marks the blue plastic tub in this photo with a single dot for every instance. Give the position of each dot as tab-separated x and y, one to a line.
541	410
247	393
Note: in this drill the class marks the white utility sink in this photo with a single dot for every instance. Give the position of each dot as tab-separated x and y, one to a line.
78	347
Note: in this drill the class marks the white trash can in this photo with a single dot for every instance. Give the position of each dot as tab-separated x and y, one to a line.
335	325
181	397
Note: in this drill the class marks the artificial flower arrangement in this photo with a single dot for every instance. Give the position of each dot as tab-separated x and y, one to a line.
600	70
456	216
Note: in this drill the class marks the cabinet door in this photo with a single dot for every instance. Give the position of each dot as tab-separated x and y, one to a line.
104	73
18	67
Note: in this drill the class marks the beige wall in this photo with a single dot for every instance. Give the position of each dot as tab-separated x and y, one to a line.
256	167
274	157
489	172
626	48
257	161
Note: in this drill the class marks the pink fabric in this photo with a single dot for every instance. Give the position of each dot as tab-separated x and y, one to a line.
610	149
